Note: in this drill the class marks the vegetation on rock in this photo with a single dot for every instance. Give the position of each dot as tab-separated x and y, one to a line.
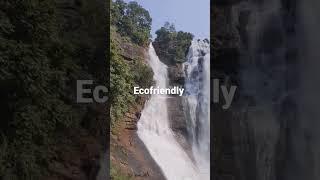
131	20
130	33
121	84
172	46
124	74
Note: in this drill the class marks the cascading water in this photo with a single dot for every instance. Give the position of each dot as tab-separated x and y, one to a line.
155	132
197	69
262	79
279	67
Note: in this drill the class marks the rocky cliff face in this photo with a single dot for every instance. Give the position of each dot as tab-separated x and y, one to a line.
128	50
129	156
176	113
176	75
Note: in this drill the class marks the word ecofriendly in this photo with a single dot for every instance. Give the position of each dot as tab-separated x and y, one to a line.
176	90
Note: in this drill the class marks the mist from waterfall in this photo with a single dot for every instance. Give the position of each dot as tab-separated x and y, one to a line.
197	105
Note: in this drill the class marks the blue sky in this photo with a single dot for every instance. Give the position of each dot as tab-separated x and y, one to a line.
187	15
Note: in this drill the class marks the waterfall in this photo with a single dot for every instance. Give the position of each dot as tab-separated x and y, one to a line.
263	73
197	69
154	131
279	70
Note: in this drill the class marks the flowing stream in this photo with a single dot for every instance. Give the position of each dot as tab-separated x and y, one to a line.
155	132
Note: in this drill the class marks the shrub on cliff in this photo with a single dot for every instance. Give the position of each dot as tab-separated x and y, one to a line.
130	23
170	45
121	84
124	76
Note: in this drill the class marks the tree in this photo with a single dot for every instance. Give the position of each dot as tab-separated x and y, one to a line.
172	46
131	20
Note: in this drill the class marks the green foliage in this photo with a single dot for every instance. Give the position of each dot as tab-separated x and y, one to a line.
172	46
121	84
124	76
131	20
131	24
142	74
39	64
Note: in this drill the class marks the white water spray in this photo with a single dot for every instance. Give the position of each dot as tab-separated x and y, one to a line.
155	132
197	69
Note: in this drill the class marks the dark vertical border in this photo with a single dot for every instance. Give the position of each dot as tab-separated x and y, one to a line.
104	171
211	104
108	83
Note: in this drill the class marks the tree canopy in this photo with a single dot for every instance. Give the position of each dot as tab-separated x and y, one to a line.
171	45
131	20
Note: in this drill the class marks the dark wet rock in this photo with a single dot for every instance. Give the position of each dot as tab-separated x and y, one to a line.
178	123
176	75
138	115
132	127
